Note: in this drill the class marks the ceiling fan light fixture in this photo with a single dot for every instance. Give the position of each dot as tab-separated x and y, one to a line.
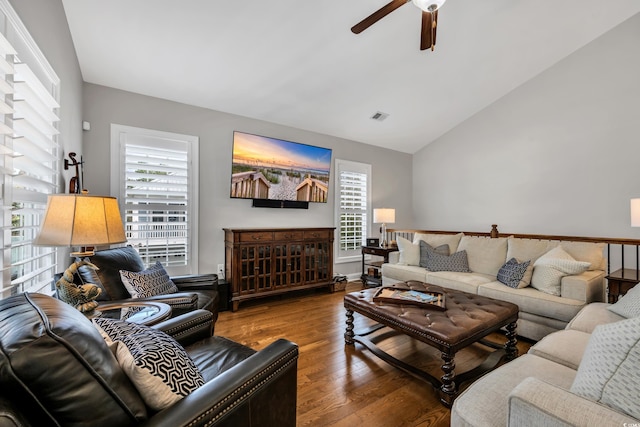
429	5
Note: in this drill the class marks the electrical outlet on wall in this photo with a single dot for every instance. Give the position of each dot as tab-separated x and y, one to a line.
220	271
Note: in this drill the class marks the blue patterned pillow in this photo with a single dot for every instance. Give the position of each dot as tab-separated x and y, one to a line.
426	249
156	364
456	262
512	273
149	282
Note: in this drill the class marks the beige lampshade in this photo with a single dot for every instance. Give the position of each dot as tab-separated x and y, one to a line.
635	212
384	215
81	220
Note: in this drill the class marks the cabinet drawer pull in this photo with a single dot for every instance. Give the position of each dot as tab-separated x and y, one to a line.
254	237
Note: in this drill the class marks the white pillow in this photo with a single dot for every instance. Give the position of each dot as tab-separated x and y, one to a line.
409	252
550	268
436	240
628	305
608	372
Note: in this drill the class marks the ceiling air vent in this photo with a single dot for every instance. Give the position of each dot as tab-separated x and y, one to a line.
379	116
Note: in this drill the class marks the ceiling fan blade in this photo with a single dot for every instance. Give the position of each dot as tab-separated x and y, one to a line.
428	30
377	15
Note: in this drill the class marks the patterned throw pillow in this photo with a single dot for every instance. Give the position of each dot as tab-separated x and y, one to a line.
456	262
513	273
156	364
551	267
426	249
608	372
149	282
628	305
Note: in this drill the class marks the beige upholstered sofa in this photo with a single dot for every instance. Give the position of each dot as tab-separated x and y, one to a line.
585	375
541	313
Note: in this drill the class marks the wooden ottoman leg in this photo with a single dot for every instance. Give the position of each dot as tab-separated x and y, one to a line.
348	335
448	387
510	345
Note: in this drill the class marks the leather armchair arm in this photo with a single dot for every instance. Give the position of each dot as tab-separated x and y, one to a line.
189	327
260	390
196	282
10	416
184	301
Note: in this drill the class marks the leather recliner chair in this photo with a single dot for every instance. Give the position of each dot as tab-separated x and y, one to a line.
57	370
197	291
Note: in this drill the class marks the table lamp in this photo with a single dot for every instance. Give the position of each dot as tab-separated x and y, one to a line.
84	221
635	212
384	216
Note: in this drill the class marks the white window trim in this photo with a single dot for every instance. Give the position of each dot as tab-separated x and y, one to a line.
118	132
339	165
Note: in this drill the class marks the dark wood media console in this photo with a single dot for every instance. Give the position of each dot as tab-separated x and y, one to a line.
260	262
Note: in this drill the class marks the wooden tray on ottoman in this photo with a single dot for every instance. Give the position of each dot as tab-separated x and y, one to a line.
399	295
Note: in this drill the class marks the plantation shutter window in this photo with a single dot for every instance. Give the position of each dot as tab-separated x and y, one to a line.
157	182
29	153
354	183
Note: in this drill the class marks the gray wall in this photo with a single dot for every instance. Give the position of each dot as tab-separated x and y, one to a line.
558	155
103	106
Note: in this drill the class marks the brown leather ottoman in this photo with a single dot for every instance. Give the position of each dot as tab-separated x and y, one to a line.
468	318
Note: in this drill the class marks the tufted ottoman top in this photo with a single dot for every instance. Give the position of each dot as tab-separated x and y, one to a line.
467	317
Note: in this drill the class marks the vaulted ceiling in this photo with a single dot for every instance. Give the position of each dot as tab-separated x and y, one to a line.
298	64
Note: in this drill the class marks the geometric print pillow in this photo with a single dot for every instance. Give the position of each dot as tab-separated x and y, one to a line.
156	364
608	372
149	282
426	250
512	273
628	305
457	262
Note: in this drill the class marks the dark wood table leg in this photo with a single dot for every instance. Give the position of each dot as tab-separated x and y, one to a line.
349	334
510	345
449	386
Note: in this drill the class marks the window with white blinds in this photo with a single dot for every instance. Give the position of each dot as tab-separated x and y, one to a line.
157	179
29	155
352	209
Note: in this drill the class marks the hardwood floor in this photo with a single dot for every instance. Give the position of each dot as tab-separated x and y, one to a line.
341	385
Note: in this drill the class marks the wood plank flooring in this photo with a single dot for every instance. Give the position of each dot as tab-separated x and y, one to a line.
341	385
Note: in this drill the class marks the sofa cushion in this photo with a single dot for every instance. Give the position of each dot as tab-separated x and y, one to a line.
531	300
158	366
565	347
609	370
403	273
550	268
592	315
435	240
528	248
149	282
486	255
465	282
588	252
516	274
629	305
485	402
426	250
455	262
409	252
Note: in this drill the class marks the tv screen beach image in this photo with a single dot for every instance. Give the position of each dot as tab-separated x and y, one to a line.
275	169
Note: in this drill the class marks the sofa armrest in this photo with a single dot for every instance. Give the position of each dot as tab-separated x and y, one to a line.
394	257
181	301
587	287
535	402
260	390
11	416
189	327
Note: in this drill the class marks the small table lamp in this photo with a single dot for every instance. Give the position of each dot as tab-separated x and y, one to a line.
384	216
84	221
635	212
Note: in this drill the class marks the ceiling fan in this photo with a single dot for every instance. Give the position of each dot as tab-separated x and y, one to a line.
429	19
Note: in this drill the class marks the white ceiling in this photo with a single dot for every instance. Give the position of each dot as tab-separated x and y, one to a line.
297	63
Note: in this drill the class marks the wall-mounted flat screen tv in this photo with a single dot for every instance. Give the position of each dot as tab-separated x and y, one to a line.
275	169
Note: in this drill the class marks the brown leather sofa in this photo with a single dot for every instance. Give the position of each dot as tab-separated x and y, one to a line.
197	291
57	370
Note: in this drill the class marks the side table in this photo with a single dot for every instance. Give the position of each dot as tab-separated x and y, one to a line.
620	281
371	273
142	312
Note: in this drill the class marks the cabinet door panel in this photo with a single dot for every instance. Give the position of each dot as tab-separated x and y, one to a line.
255	268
